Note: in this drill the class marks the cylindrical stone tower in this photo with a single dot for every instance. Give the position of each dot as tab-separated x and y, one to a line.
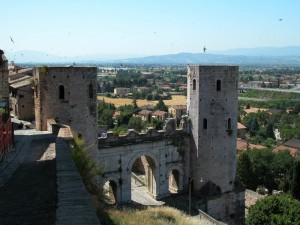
213	112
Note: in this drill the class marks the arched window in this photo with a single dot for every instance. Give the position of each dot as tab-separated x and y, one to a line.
229	124
61	92
91	91
218	85
194	84
204	124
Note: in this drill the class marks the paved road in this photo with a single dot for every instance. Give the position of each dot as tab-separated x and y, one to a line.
141	196
29	196
294	90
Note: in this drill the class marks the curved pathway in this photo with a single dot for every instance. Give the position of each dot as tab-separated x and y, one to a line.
29	196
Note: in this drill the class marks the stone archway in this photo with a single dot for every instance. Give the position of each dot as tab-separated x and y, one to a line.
174	181
143	173
174	176
111	191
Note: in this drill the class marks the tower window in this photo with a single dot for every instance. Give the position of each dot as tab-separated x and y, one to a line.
90	91
204	124
229	124
61	92
36	91
218	85
194	84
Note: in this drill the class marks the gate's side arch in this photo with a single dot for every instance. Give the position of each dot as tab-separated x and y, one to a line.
178	178
115	181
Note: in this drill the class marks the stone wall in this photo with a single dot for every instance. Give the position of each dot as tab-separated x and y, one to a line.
23	104
4	87
229	207
74	203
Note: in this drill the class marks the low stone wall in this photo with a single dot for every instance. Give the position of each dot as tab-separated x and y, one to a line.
74	203
208	220
169	130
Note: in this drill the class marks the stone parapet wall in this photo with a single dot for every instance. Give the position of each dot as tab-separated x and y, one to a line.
132	137
74	203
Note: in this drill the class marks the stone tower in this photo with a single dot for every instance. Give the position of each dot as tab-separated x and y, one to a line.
67	95
213	112
4	90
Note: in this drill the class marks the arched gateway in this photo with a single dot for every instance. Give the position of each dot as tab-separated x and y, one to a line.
148	162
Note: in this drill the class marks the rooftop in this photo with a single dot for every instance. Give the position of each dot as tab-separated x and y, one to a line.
294	143
179	106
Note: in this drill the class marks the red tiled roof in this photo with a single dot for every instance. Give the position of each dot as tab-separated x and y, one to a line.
293	151
241	145
179	106
144	112
240	126
159	113
116	114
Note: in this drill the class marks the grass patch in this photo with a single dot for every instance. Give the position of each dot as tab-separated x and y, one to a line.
149	216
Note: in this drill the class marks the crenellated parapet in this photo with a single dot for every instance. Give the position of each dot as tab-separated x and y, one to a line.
169	132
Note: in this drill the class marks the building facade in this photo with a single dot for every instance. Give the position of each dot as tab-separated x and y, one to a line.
121	91
21	98
67	95
177	111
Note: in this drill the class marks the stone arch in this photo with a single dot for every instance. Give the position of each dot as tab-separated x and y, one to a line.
115	187
152	172
178	179
139	154
111	189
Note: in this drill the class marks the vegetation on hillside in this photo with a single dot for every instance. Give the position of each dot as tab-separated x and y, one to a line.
274	171
261	126
88	169
264	94
127	118
280	209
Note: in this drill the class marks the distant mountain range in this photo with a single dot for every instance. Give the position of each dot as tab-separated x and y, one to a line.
243	56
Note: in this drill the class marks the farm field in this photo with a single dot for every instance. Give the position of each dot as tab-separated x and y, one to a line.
176	100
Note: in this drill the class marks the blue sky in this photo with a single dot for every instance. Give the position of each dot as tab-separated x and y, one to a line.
147	27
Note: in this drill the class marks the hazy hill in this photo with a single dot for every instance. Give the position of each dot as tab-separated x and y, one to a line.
259	56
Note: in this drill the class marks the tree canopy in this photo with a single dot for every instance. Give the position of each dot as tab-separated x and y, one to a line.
274	210
264	168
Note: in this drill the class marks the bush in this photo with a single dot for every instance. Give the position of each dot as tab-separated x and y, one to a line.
275	209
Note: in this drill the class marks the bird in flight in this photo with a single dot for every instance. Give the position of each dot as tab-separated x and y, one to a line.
204	49
280	19
12	40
